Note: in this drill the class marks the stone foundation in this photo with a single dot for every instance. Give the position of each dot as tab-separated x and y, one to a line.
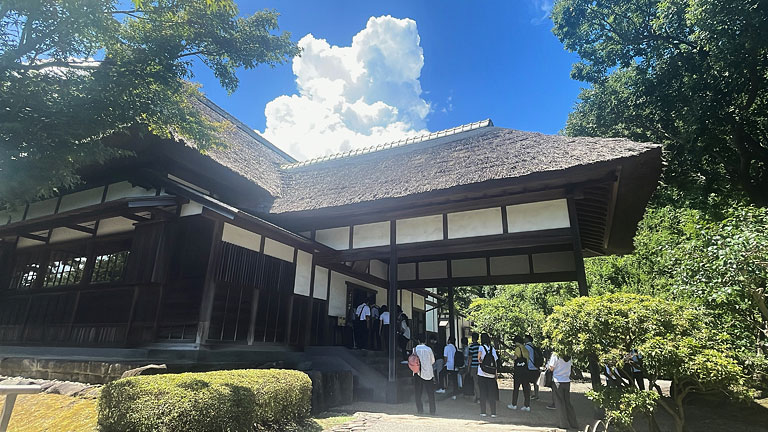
84	371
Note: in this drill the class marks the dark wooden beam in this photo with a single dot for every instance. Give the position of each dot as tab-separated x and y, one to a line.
91	231
209	284
392	303
34	237
567	276
566	246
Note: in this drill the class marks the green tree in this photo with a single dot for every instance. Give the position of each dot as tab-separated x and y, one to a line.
676	340
73	72
689	74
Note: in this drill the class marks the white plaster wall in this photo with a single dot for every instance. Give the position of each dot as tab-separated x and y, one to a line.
369	235
433	270
278	250
303	273
538	216
25	243
321	283
419	229
469	267
418	302
81	199
42	208
337	238
337	301
475	223
242	237
379	269
553	262
114	225
191	208
126	190
431	320
406	271
381	296
65	234
16	214
407	303
509	265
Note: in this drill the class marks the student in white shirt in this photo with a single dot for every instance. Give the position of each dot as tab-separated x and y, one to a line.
561	377
405	335
384	326
489	388
362	324
423	380
449	353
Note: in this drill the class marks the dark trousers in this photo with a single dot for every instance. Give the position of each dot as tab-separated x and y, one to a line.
385	336
453	382
373	336
487	393
563	404
637	377
403	345
421	385
361	334
522	379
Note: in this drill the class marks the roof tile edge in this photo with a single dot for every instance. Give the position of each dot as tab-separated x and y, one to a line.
392	144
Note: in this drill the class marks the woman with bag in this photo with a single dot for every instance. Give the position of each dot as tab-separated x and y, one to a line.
486	375
561	375
521	375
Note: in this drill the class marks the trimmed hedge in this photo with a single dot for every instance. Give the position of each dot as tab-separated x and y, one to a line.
233	400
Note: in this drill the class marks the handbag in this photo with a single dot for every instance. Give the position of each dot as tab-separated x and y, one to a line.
548	378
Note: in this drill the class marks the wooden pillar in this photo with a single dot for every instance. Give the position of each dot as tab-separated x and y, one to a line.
451	314
209	285
392	302
581	278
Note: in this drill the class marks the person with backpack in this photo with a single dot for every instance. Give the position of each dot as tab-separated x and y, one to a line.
404	334
451	354
560	365
384	326
420	363
535	362
486	375
374	341
521	375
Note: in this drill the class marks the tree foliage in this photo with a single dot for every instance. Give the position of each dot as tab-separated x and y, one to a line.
74	72
677	340
689	74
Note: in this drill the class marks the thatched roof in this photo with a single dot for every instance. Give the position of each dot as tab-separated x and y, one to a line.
463	158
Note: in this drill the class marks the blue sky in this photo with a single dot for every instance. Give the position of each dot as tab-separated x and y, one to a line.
416	66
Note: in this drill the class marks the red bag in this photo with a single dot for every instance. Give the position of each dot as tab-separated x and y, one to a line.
414	363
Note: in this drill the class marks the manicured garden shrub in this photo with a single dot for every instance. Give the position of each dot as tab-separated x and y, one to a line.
232	400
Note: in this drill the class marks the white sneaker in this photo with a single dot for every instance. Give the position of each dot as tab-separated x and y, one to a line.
493	415
483	415
512	407
453	397
525	409
441	391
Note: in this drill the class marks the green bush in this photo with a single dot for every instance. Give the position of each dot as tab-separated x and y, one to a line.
233	400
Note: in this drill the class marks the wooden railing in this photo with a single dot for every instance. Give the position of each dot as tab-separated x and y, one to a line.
10	392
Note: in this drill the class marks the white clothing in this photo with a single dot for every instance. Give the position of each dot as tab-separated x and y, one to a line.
406	331
427	359
561	371
481	352
363	312
449	352
384	317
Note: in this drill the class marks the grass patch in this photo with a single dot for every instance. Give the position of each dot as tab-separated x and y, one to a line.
53	413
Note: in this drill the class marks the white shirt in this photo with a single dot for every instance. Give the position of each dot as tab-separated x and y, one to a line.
562	369
363	312
407	331
427	359
384	317
449	352
481	351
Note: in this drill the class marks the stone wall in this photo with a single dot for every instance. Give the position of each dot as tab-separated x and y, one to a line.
330	389
84	371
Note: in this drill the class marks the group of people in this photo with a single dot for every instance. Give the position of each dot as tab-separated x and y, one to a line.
477	362
370	325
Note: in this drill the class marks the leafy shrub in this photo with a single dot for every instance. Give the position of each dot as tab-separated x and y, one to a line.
233	400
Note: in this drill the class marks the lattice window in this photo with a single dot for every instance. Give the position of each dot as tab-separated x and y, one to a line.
109	267
65	269
24	275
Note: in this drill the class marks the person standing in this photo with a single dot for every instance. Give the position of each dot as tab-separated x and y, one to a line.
451	368
374	341
561	379
521	376
384	326
422	381
362	323
486	374
634	362
474	363
534	372
405	334
463	368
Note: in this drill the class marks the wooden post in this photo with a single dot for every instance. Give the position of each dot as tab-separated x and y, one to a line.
307	339
209	286
392	305
581	277
451	314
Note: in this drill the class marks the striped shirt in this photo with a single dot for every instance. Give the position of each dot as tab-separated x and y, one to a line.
473	348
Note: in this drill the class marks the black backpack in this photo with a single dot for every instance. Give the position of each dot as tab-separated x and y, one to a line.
538	356
488	364
458	359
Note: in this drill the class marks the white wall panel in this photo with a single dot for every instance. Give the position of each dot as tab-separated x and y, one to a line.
114	225
431	320
25	242
241	237
127	190
321	283
369	235
509	265
303	273
407	303
337	301
433	270
469	267
379	269
538	216
42	208
337	238
406	271
425	228
278	250
553	262
191	208
418	302
66	234
475	223
81	199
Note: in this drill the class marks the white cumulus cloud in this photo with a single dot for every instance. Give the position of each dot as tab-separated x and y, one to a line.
352	96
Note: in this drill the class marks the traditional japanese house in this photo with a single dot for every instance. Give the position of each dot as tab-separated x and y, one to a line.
245	253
